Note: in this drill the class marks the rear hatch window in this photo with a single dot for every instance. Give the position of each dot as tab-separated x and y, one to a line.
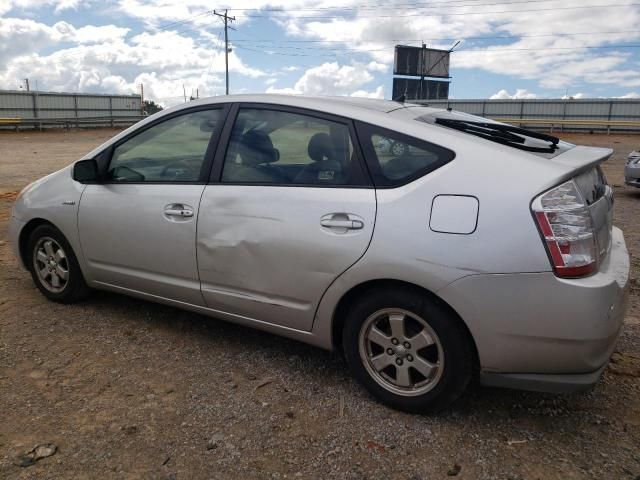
538	143
598	196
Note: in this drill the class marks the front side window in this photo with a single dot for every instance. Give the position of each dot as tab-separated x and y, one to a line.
396	159
171	151
284	148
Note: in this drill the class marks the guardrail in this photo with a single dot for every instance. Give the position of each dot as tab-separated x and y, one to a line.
40	123
552	122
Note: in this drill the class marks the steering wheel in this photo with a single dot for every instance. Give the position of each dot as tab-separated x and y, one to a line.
179	170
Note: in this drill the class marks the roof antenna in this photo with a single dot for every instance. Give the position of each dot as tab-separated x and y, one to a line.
402	98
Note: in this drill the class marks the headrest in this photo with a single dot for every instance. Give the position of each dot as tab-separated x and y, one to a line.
320	147
257	148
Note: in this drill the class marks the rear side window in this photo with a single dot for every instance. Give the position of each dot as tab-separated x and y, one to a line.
395	159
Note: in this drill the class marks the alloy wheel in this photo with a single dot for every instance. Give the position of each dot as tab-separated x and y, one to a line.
51	265
401	352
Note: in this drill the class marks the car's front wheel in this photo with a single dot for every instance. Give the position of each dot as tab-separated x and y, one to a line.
407	349
54	266
399	149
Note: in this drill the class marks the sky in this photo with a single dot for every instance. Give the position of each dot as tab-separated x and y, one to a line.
507	49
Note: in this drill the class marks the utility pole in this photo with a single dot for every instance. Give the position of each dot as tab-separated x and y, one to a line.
26	82
141	99
184	93
226	18
423	61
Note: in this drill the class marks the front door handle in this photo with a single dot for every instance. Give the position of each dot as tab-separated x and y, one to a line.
178	210
342	221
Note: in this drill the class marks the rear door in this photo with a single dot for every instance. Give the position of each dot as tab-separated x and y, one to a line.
289	209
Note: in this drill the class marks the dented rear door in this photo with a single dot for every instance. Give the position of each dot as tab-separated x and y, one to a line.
264	253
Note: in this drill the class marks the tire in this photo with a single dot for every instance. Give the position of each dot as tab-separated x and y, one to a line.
49	251
424	375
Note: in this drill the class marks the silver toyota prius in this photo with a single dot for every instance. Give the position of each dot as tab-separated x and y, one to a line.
427	245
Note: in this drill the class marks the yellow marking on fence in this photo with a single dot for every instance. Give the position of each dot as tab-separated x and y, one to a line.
10	121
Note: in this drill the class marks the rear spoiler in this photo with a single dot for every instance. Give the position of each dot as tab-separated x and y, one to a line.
575	161
581	158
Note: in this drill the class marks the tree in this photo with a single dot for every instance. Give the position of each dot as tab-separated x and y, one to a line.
151	107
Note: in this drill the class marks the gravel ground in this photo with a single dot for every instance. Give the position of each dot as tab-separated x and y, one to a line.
129	389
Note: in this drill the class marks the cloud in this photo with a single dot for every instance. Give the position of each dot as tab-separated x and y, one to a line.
328	79
374	66
531	47
519	94
377	93
59	5
518	43
93	34
20	37
630	95
103	60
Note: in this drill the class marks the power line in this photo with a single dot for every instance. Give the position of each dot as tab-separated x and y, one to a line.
80	54
448	14
400	40
183	21
593	47
415	5
395	6
588	47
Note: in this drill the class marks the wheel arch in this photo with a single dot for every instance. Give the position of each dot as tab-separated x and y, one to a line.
347	299
23	239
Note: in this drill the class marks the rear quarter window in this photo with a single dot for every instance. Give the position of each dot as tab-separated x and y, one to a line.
396	159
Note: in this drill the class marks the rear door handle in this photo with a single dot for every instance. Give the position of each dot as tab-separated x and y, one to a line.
178	210
342	221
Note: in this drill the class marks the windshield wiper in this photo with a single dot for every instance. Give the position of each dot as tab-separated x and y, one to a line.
501	133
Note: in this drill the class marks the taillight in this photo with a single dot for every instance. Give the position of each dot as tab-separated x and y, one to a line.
566	225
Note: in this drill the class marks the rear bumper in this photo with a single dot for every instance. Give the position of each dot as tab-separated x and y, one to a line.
537	382
541	332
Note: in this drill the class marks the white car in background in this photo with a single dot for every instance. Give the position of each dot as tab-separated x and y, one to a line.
632	169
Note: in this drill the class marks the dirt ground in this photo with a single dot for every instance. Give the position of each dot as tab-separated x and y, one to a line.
127	389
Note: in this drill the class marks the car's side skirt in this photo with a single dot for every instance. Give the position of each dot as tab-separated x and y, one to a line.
300	335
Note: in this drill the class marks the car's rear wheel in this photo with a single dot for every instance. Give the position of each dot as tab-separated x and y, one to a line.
54	266
407	349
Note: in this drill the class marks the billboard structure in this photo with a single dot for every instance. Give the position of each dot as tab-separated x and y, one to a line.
420	89
420	62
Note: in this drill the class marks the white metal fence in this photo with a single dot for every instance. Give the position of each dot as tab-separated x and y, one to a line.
41	109
615	115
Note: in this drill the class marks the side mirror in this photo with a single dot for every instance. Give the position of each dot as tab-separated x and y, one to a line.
86	171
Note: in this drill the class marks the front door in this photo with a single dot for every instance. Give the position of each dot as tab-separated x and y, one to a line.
291	210
138	227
